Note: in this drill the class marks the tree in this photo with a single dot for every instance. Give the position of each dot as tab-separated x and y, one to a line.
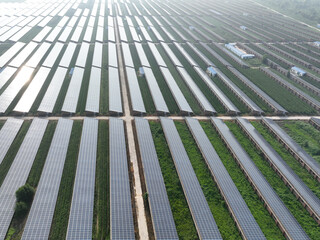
21	209
265	59
25	194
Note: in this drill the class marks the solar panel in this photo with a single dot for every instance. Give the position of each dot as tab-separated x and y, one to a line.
4	37
54	34
82	56
316	122
162	219
286	172
43	206
81	212
289	224
197	93
6	74
19	172
68	54
88	34
10	53
171	55
71	99
23	55
45	21
99	36
199	208
134	34
76	34
111	34
93	97
29	96
112	55
142	56
15	86
155	91
226	102
20	34
51	95
134	89
240	211
115	102
293	146
258	91
38	55
53	55
8	133
157	55
175	90
127	55
65	34
186	55
122	33
97	55
121	216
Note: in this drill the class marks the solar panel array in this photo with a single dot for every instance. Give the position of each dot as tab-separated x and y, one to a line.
286	220
120	197
8	133
175	91
81	212
29	96
238	208
71	99
48	102
162	219
199	208
6	74
316	122
197	93
15	86
286	172
93	97
156	94
19	172
291	144
41	213
115	102
10	53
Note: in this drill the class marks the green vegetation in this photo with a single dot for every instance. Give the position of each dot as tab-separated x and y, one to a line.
291	202
288	158
181	213
61	214
85	83
11	154
104	88
261	215
218	206
307	11
305	135
101	224
24	197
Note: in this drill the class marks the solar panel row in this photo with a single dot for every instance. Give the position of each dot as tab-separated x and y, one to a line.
19	172
93	97
295	148
288	175
197	93
115	102
40	217
282	215
81	213
238	208
162	219
201	213
8	133
121	219
156	94
71	100
14	87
